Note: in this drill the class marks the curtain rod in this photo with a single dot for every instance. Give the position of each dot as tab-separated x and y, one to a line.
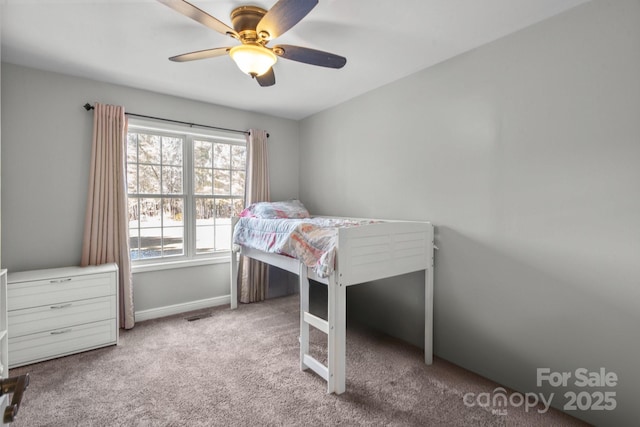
89	107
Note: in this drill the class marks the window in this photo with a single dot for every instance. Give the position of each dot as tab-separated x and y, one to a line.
183	189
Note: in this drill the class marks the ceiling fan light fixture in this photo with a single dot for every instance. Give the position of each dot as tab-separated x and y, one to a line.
254	60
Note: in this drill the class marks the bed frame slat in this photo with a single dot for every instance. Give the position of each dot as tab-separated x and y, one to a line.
316	322
316	367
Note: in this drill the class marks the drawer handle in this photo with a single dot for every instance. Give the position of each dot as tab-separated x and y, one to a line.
68	279
56	307
63	331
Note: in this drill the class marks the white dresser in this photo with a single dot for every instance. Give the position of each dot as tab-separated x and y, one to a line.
61	311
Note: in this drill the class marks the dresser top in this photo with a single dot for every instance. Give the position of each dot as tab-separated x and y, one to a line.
49	273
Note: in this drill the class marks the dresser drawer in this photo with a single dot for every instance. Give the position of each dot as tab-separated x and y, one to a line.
59	290
56	316
60	342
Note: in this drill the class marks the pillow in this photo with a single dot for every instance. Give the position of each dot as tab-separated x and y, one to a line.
273	210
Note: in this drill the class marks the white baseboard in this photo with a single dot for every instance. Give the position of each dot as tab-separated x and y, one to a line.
155	313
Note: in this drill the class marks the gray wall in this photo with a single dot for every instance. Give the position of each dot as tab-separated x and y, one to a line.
45	172
524	154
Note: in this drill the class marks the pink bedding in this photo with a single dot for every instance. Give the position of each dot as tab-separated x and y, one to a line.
311	240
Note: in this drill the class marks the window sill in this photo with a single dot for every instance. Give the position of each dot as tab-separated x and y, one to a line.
170	265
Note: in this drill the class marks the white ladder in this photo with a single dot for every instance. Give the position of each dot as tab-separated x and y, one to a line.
334	327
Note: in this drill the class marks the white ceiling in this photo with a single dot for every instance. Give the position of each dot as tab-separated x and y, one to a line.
128	42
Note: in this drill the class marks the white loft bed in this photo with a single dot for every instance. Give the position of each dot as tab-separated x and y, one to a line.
364	253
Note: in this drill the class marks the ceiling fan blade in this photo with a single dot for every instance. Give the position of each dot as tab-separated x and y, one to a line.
310	56
282	16
191	11
267	79
200	54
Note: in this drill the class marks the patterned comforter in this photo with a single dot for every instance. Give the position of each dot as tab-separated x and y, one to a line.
311	240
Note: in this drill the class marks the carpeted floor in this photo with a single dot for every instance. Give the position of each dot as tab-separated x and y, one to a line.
242	368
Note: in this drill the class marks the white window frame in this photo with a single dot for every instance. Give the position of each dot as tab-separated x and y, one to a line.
190	257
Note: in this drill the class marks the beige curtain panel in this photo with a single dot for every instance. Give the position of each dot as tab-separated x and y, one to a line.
106	228
254	276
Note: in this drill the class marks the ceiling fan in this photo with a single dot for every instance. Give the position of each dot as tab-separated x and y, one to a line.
254	27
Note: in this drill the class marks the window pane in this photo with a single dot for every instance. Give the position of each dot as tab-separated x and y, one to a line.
221	182
150	213
134	223
132	178
172	209
161	228
204	225
173	226
203	181
237	183
135	254
149	179
132	147
238	157
134	213
202	153
148	148
238	206
223	237
221	156
223	211
171	180
134	242
204	239
171	151
204	211
173	241
150	242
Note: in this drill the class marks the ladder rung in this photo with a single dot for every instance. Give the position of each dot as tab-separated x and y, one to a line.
316	322
316	367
